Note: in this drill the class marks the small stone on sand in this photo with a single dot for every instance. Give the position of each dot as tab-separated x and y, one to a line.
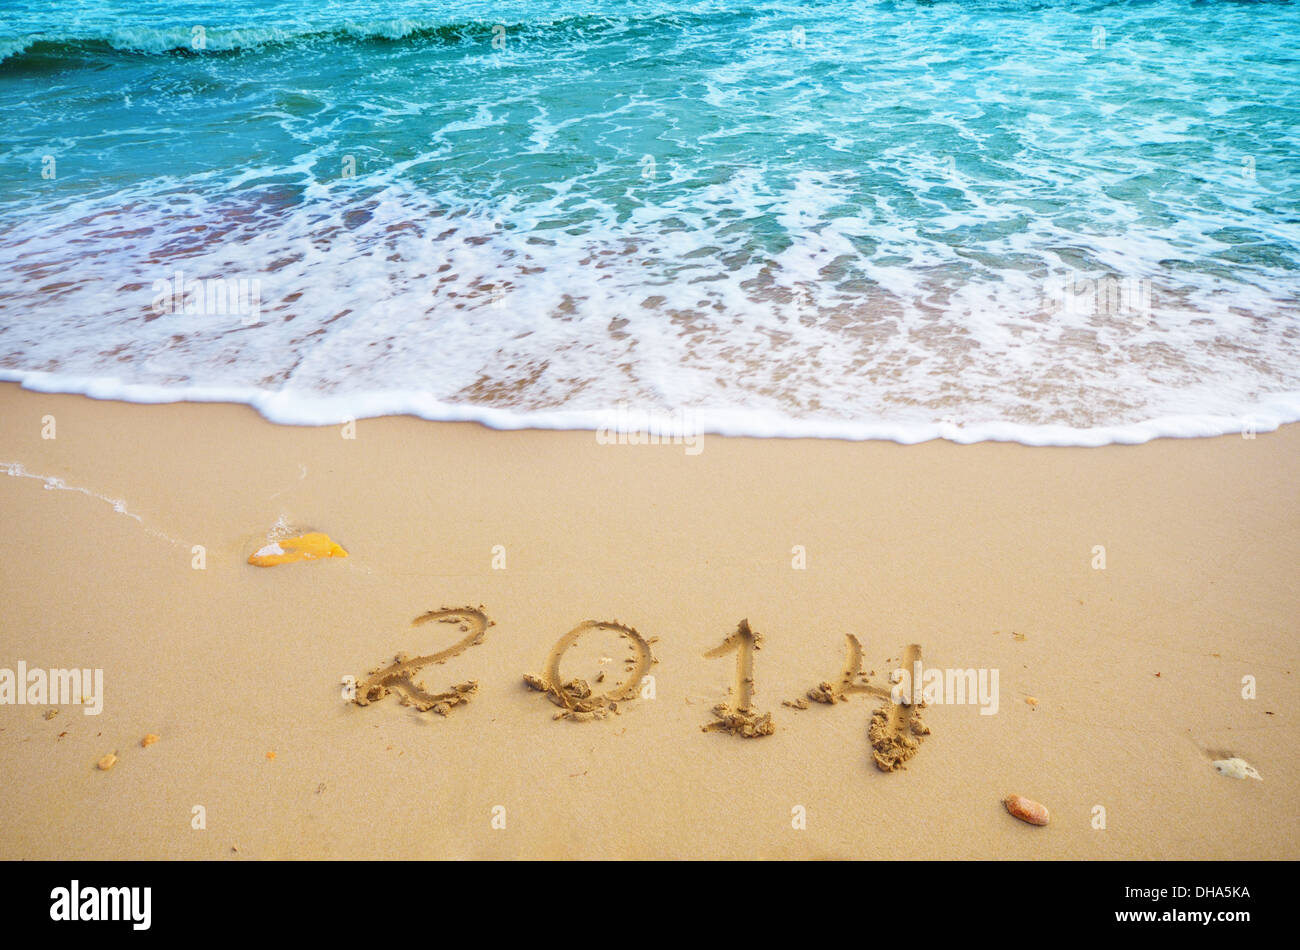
1026	809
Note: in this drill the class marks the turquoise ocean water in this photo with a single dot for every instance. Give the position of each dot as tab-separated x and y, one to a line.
1051	222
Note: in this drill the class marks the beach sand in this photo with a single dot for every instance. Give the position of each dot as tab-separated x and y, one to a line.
982	555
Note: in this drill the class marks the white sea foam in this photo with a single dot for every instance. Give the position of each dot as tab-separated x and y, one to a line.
312	410
56	483
497	320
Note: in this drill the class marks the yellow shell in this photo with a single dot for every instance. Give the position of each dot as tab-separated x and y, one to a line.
1027	809
305	547
148	740
107	762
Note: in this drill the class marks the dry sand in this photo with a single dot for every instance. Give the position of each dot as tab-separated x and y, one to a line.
982	555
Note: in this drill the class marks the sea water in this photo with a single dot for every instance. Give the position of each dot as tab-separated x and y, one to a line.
1051	222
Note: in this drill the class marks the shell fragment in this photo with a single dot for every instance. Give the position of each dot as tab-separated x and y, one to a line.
1237	768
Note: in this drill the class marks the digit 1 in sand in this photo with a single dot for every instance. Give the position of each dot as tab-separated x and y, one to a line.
741	719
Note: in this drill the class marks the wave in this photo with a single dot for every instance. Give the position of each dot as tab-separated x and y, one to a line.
42	51
182	41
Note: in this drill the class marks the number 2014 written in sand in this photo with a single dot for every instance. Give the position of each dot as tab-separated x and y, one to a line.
895	730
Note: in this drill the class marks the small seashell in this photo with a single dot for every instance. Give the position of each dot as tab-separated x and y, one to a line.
306	547
1027	810
148	740
1031	700
107	762
1237	768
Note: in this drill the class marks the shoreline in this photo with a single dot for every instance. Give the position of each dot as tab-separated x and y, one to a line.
983	554
1273	412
